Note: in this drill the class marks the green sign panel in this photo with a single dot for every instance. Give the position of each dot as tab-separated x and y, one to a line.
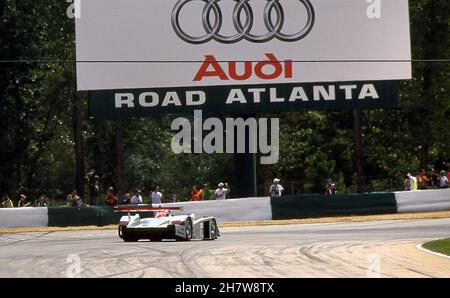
243	99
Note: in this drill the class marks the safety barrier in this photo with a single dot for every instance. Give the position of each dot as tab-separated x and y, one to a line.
230	210
312	206
23	217
248	209
82	216
423	200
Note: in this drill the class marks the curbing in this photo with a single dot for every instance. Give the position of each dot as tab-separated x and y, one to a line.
420	247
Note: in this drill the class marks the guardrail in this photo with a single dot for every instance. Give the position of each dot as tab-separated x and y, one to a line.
247	209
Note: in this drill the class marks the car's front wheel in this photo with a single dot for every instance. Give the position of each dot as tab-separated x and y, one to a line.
188	229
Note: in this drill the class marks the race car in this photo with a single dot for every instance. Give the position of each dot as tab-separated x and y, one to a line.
164	225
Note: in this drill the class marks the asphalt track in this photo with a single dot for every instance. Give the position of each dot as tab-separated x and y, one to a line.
364	249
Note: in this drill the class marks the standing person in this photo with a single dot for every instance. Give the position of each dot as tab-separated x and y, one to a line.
410	182
111	198
433	178
422	180
6	202
330	187
94	188
448	173
126	199
41	202
156	196
137	198
74	199
175	198
193	195
222	191
199	194
276	188
23	201
443	180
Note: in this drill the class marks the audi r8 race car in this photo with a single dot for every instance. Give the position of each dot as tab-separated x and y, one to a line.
164	225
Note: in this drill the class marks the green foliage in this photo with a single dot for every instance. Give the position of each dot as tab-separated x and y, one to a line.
37	152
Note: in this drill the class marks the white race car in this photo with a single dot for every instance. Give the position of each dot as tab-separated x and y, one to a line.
164	225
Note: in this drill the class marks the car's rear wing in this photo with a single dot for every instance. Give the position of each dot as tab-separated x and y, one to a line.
143	208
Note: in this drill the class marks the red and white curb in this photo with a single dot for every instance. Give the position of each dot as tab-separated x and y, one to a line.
420	247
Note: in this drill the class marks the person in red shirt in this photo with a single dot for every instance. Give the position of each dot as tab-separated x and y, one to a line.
110	198
448	174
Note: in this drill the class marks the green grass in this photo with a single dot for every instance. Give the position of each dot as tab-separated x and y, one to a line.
440	246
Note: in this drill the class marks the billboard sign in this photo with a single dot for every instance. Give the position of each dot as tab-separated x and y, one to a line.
143	44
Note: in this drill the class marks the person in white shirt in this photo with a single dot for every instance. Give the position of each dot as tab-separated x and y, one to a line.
221	192
156	196
137	198
276	189
443	180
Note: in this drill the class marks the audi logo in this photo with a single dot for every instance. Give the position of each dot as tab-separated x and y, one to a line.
243	29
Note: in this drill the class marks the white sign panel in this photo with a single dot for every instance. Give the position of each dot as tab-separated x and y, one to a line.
179	43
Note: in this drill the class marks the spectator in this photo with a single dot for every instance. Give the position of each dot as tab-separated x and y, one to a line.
221	192
410	182
199	194
443	180
111	199
193	195
137	198
41	202
74	199
175	198
6	202
422	180
433	179
23	201
276	188
94	188
126	199
156	196
330	187
448	174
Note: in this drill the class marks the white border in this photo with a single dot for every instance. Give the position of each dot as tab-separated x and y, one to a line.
420	247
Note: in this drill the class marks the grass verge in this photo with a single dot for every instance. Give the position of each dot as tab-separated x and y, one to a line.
441	246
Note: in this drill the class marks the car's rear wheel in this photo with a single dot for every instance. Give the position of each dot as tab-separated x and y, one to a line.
123	233
121	230
130	239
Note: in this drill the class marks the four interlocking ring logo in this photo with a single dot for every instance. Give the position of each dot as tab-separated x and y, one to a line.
243	29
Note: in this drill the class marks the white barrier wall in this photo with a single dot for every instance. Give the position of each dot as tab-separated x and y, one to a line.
23	217
230	210
423	200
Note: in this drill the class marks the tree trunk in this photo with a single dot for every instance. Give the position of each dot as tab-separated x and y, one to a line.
78	141
428	90
359	156
120	162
